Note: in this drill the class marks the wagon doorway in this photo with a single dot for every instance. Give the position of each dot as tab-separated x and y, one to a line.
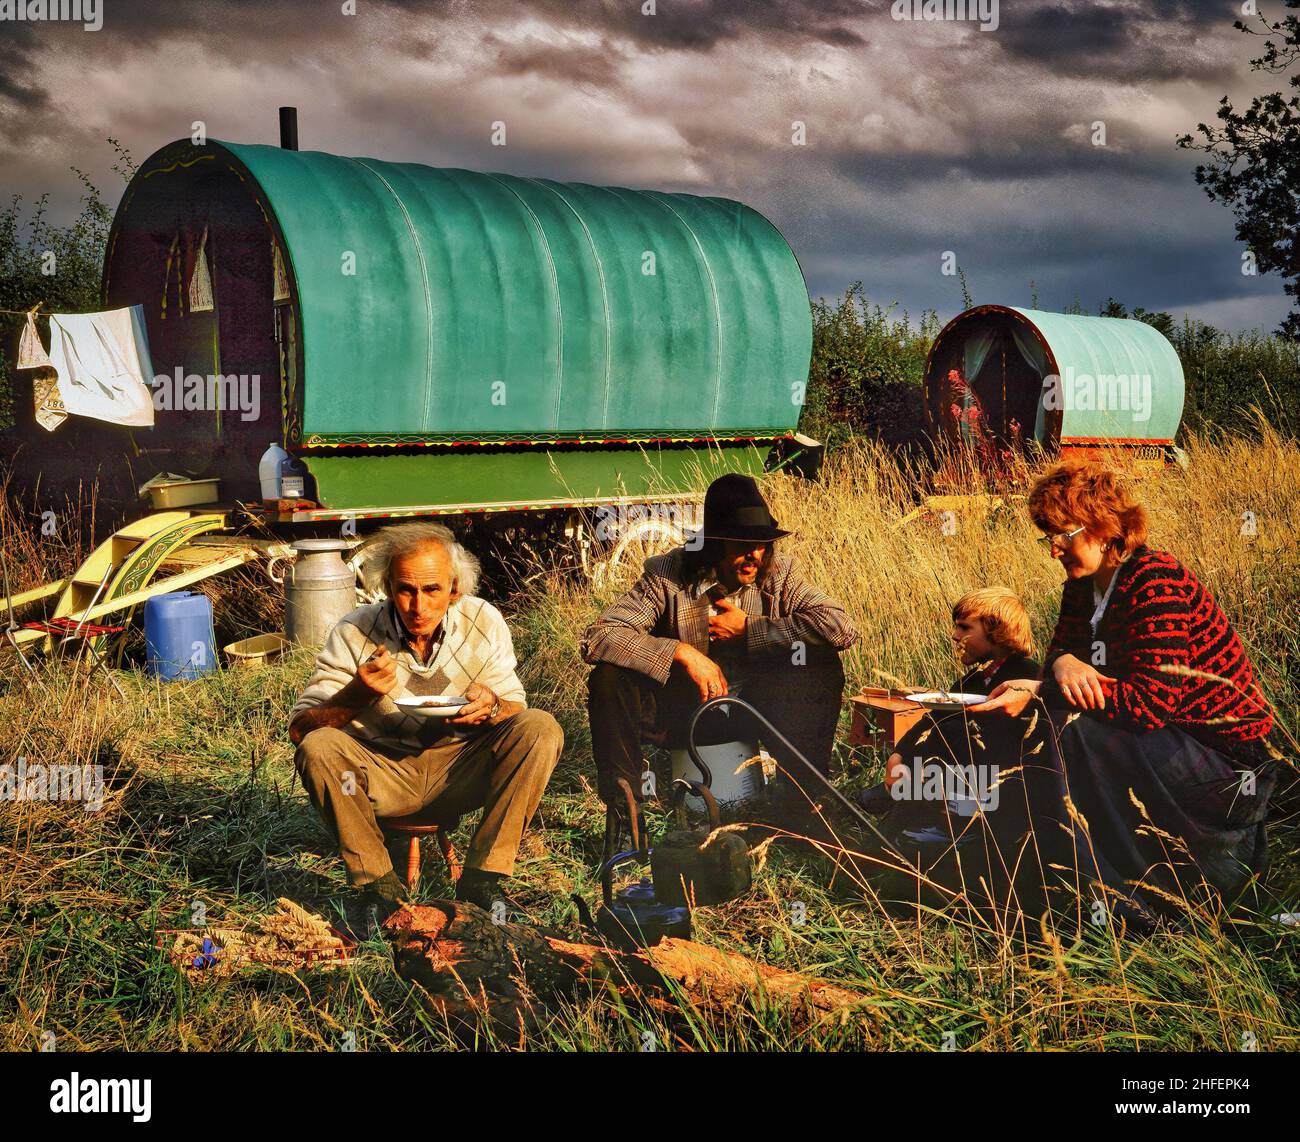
984	382
195	245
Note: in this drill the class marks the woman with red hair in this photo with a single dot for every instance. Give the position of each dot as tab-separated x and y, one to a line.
1161	726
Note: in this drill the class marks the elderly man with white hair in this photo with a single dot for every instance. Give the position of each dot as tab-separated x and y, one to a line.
362	756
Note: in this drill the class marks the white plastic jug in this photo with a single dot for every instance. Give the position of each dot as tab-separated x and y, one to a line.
268	471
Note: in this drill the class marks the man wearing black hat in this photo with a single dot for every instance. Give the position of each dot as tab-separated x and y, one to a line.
722	613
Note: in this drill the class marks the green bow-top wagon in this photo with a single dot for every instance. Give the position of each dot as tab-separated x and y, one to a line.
426	342
1071	384
432	341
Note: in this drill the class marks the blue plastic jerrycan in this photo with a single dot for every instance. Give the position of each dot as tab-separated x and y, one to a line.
178	636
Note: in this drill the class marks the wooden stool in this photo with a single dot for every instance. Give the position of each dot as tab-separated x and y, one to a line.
416	826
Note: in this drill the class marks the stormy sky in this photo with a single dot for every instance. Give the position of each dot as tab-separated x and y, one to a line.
921	137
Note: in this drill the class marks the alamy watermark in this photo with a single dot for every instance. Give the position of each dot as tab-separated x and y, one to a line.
75	1095
1104	392
37	782
180	391
983	12
968	788
89	13
670	520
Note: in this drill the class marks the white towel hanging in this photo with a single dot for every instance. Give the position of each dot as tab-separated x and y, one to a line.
103	364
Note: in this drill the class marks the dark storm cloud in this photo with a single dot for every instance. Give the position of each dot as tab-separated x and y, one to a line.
580	63
130	26
1046	247
247	30
896	173
1117	39
15	63
922	137
690	25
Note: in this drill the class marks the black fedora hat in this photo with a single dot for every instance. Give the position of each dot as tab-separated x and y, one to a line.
735	509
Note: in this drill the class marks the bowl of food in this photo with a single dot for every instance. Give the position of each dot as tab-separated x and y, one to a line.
431	705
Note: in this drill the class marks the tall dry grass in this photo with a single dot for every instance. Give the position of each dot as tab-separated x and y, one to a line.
203	807
1229	515
44	541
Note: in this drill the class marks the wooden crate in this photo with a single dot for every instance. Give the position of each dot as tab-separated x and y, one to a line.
881	716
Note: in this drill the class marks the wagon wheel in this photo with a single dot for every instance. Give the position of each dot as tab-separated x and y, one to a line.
640	540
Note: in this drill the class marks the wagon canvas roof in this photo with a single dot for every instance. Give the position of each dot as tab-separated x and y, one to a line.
458	305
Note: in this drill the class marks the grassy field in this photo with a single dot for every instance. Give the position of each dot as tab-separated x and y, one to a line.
203	807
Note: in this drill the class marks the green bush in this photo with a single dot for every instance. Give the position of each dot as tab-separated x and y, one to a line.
1228	373
867	369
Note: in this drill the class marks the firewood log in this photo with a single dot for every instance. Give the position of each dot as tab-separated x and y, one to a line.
472	967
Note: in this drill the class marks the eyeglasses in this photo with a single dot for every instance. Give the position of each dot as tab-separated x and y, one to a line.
1061	540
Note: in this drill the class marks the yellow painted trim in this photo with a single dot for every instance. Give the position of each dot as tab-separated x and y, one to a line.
171	583
34	595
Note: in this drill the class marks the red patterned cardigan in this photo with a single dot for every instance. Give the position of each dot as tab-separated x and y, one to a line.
1161	617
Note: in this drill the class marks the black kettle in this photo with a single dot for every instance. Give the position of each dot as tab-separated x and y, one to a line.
699	866
633	918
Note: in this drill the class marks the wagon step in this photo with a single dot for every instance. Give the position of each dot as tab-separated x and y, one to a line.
115	577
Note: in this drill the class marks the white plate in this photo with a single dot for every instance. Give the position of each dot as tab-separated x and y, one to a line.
431	705
946	700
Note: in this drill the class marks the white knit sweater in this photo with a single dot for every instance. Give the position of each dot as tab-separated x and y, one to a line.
476	647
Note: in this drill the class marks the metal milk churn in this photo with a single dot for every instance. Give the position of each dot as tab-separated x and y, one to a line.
319	590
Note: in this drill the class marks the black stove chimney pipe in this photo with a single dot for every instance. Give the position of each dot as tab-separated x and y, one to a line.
289	128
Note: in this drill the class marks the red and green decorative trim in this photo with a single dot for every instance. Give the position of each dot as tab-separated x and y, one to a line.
624	436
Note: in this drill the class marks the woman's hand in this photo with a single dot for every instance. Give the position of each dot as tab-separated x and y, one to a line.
1010	698
1081	683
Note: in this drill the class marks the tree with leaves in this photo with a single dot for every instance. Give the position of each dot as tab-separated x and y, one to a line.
1254	160
1157	319
867	365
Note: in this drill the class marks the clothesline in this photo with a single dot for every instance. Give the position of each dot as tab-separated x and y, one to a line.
39	312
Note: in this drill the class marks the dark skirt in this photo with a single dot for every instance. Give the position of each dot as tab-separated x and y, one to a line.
994	842
1163	818
1066	824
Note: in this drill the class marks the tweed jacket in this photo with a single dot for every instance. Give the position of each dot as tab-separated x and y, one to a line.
642	629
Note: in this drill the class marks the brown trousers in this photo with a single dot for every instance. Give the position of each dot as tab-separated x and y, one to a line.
504	770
